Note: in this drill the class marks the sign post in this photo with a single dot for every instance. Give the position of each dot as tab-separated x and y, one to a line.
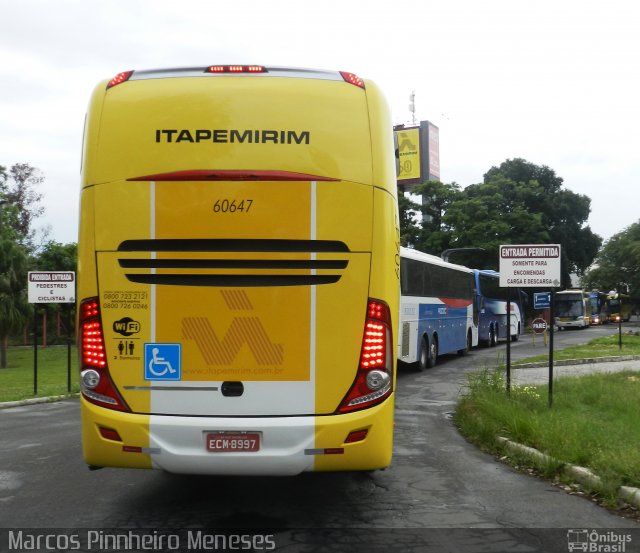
531	266
50	287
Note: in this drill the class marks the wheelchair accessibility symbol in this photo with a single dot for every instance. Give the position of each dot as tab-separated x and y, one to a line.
162	362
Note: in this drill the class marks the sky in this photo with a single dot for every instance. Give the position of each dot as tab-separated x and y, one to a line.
556	82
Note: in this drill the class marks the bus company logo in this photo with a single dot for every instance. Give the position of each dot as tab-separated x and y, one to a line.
217	350
405	143
597	541
126	326
232	136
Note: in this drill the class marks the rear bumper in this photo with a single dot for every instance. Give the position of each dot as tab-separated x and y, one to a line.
571	324
289	445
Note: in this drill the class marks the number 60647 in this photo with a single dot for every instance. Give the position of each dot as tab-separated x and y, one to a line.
232	206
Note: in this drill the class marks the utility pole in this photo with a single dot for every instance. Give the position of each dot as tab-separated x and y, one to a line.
412	107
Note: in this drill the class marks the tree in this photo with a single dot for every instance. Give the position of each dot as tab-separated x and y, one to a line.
563	212
436	233
423	226
494	213
14	308
409	229
18	188
55	256
517	203
618	264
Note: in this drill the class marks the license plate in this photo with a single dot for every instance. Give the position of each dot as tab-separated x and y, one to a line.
225	442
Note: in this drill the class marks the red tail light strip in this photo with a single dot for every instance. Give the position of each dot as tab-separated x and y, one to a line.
231	175
373	382
93	359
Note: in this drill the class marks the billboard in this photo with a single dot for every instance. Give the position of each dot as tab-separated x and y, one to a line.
408	141
418	153
433	159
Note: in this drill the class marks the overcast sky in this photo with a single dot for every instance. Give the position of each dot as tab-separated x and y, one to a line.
553	81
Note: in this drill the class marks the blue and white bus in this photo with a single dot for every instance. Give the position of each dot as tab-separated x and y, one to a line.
437	309
492	308
599	307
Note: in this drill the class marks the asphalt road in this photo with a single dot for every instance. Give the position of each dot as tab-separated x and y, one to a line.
437	489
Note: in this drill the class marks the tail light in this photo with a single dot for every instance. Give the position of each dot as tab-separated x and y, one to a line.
374	382
95	382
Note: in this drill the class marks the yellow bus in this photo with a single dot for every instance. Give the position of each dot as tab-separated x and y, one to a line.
238	272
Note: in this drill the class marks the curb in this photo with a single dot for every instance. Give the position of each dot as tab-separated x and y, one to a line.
581	474
586	361
36	400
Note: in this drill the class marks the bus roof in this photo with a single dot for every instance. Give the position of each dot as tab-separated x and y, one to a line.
410	253
329	125
234	70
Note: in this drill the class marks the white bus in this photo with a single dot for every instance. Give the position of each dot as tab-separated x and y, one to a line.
572	309
438	313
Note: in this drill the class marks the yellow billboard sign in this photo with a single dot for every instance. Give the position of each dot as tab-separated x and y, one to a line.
408	141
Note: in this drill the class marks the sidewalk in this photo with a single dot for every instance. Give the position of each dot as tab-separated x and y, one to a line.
538	373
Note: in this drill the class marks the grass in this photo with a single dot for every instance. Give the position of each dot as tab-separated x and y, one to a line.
16	381
594	423
607	346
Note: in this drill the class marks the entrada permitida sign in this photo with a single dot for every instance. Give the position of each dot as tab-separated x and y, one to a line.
530	265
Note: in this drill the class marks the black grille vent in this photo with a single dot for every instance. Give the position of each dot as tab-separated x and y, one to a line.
212	278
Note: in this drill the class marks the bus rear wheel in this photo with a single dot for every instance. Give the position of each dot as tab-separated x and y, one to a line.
468	345
428	354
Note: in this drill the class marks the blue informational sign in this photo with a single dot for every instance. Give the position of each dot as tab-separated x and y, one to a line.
542	300
162	362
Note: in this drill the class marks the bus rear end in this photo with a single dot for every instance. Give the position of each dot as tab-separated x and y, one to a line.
238	271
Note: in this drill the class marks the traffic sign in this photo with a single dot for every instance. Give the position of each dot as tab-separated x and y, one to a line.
530	266
51	287
542	300
539	325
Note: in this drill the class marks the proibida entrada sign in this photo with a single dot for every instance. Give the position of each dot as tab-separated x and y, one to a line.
530	266
51	287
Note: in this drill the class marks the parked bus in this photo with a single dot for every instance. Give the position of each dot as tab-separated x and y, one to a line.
599	307
619	307
572	309
238	272
437	309
492	308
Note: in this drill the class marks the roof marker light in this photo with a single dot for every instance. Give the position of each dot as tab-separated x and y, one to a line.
352	79
119	79
235	69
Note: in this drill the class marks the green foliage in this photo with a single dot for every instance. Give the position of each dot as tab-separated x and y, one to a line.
517	203
14	308
55	256
18	187
409	230
16	381
606	346
20	206
618	264
594	421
